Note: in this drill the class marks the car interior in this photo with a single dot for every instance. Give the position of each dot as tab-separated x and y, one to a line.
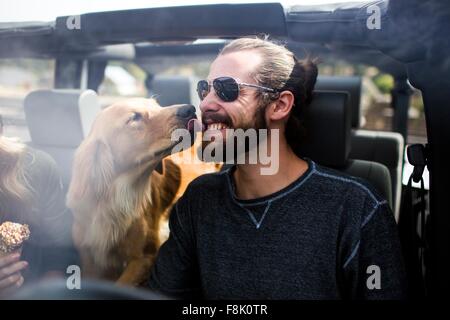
411	47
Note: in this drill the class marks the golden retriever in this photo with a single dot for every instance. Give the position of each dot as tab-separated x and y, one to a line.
189	172
116	197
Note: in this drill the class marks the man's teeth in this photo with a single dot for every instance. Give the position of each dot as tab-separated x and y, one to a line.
217	126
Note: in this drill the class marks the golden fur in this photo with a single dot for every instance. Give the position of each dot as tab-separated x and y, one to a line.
116	196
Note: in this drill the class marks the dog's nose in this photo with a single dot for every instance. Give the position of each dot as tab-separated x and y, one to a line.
186	111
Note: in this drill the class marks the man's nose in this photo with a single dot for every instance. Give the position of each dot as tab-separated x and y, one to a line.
186	111
210	103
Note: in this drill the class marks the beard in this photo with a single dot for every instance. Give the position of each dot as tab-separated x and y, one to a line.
239	146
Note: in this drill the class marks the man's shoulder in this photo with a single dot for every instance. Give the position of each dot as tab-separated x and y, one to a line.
358	198
345	183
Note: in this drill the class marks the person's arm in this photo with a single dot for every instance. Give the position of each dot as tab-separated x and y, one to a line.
374	267
54	236
175	272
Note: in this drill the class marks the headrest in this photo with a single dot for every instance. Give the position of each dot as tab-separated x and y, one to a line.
169	90
327	124
352	85
377	148
60	117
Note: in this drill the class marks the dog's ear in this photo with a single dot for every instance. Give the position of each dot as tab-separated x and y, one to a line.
93	171
170	182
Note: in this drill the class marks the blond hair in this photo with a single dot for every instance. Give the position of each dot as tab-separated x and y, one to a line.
15	193
281	70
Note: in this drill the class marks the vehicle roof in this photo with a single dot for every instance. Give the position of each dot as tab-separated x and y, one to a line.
332	29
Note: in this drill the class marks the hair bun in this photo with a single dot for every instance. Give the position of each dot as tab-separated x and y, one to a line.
309	70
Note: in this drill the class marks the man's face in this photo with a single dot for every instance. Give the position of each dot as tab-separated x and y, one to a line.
243	113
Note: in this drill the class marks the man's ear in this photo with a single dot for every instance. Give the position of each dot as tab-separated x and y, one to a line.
281	108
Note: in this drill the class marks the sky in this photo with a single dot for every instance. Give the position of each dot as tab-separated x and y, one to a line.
48	10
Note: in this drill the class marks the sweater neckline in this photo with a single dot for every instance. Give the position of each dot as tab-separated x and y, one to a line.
274	196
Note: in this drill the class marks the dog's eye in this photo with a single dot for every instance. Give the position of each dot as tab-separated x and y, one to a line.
136	117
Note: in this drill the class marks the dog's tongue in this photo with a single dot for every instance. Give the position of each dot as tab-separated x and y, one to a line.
195	125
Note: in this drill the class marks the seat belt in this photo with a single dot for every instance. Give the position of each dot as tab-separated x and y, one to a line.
412	215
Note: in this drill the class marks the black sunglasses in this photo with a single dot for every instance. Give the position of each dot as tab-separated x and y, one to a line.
226	88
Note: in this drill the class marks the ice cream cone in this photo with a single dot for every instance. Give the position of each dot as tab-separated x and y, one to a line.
12	236
4	253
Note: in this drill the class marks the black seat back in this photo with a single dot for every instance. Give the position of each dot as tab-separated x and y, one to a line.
352	85
381	147
327	141
169	90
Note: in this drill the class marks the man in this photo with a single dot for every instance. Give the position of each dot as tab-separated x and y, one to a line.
305	232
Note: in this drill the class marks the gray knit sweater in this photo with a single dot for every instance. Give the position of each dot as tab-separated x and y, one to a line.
325	236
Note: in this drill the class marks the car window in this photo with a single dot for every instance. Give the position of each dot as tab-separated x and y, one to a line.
18	77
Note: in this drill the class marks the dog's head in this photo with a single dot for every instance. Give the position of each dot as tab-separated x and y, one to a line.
139	130
134	133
